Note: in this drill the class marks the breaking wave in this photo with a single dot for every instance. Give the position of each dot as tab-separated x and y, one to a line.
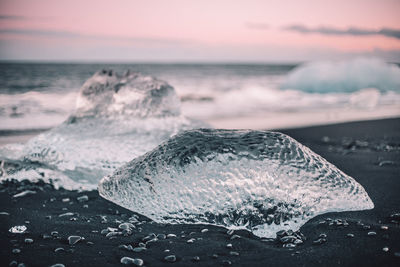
344	76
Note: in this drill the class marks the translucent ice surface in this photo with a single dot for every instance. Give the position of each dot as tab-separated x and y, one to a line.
18	229
108	94
118	117
256	180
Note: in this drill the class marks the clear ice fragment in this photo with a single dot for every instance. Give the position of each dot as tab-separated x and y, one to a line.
260	181
24	193
117	118
18	229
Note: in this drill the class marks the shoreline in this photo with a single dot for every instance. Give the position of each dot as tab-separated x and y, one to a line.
292	120
285	121
369	151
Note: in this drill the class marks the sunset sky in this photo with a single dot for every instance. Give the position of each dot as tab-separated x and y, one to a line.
198	31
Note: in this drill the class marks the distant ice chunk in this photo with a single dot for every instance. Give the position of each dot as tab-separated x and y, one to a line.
108	94
256	180
344	76
117	118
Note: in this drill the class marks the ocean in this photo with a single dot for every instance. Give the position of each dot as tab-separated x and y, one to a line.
139	139
42	95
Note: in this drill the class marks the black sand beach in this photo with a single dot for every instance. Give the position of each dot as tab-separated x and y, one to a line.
368	151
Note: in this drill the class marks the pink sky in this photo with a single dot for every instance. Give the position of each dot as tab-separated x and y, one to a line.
206	30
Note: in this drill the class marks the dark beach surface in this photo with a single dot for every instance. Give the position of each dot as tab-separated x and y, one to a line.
368	151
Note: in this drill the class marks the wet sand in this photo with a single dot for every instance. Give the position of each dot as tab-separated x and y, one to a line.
369	151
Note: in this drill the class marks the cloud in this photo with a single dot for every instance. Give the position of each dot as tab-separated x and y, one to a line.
388	32
12	17
257	25
38	32
76	35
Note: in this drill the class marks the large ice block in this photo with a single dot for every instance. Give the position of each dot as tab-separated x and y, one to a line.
256	180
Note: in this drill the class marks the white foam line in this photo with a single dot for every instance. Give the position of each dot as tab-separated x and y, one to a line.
283	120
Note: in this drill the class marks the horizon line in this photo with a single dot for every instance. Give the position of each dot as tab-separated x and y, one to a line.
160	62
166	62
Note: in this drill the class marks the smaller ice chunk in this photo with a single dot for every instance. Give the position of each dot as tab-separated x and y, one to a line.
109	94
118	117
18	229
24	193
